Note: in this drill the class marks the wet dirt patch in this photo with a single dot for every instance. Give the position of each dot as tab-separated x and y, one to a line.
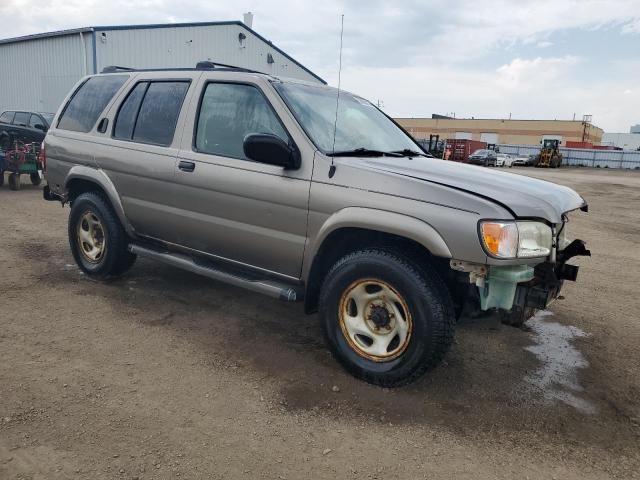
38	250
556	379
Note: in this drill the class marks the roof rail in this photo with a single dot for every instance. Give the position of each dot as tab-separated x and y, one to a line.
115	68
209	65
204	65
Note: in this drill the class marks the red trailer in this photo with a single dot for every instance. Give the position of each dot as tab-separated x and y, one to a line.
459	150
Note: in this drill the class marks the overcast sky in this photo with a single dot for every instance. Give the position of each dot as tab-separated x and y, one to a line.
481	58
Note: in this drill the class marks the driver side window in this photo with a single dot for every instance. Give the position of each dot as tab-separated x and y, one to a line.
228	113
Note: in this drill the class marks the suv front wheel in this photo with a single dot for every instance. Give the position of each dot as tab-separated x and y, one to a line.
385	320
98	242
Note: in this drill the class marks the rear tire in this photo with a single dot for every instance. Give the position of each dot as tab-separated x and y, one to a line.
423	310
35	179
98	241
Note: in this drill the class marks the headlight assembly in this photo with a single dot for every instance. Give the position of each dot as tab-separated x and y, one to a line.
510	239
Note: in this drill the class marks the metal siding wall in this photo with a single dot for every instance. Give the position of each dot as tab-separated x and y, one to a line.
583	157
37	74
185	46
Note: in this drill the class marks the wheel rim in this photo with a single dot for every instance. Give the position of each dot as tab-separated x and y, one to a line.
375	320
91	238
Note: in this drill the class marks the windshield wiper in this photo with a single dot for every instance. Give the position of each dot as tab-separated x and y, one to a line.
410	153
364	152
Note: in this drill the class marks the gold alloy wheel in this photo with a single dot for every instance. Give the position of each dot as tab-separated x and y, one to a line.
91	238
375	320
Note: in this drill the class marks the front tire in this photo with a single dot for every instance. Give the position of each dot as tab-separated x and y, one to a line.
98	241
385	321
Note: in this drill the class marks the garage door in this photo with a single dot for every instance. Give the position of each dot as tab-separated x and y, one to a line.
464	136
489	137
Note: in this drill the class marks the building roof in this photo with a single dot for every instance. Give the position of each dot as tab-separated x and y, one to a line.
94	29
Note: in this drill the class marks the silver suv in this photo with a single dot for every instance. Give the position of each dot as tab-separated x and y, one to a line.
264	183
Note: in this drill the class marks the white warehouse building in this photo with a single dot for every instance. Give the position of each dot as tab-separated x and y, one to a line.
39	70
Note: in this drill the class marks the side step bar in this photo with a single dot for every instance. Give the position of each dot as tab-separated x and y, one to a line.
267	286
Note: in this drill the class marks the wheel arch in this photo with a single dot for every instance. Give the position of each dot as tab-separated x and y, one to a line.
357	228
81	179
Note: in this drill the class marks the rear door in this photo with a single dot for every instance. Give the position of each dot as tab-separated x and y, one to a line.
138	150
228	205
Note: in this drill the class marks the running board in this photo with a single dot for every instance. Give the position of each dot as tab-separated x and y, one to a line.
267	286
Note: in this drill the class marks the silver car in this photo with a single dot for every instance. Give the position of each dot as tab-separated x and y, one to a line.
258	181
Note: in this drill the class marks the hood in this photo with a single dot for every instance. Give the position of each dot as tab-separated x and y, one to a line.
524	197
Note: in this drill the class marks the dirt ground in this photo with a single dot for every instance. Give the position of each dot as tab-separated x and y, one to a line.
164	374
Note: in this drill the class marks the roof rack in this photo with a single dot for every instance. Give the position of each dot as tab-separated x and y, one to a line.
204	65
116	68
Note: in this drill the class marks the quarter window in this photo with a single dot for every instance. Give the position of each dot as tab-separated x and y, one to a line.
150	112
228	113
7	117
88	102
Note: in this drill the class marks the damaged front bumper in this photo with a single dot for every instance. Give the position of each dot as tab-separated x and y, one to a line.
521	289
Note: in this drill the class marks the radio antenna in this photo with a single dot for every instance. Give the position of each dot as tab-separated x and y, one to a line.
332	168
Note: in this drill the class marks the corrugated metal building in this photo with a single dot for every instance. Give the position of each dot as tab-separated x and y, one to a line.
39	70
519	132
626	141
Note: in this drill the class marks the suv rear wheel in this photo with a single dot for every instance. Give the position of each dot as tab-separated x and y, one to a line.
98	242
385	320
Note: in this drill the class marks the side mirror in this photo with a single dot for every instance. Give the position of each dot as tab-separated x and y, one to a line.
39	126
272	150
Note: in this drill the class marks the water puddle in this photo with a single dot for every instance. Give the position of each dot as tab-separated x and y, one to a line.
557	376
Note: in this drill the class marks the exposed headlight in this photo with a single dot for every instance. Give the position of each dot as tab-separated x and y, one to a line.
516	239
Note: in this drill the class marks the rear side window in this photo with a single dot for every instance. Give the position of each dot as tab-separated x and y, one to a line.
6	117
126	119
228	113
21	119
88	102
150	112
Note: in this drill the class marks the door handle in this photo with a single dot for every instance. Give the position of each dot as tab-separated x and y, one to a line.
186	166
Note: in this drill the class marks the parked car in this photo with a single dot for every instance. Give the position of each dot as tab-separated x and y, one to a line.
522	161
483	157
503	159
247	178
27	127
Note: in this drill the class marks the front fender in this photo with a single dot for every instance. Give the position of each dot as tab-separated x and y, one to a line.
101	179
382	221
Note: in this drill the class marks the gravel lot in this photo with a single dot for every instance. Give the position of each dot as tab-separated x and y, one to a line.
164	374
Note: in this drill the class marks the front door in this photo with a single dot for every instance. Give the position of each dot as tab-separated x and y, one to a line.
233	207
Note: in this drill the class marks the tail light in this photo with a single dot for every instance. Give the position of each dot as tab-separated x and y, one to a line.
42	158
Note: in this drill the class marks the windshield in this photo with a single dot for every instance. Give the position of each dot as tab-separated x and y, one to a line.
360	124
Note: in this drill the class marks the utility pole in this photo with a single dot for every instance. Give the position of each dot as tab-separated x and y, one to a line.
586	126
